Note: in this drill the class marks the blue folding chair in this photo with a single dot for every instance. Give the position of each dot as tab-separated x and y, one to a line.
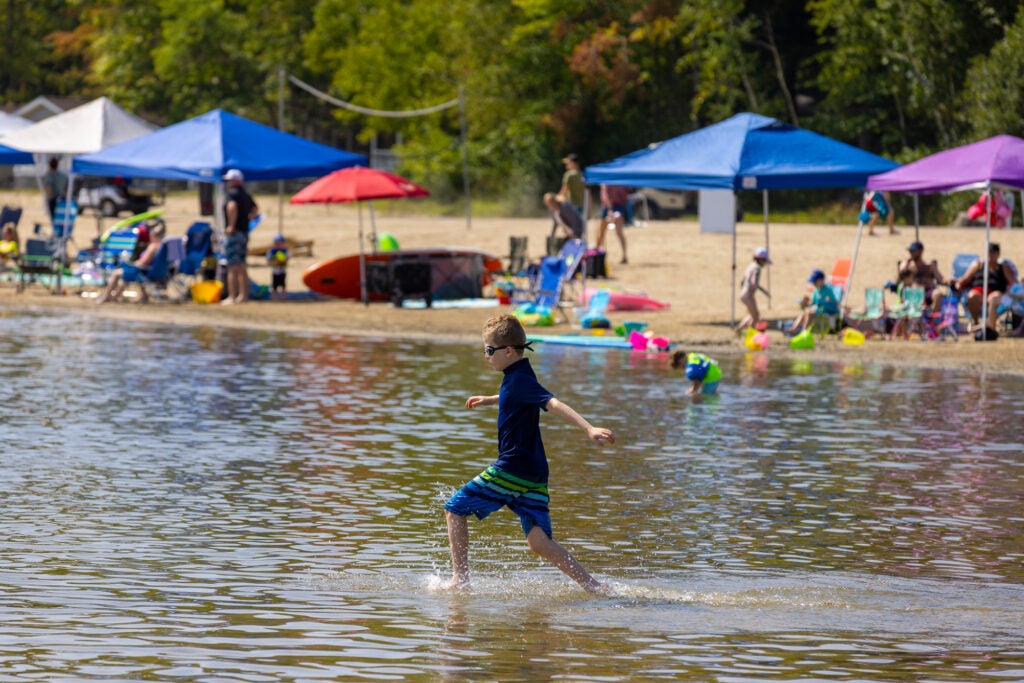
547	285
198	247
158	280
961	263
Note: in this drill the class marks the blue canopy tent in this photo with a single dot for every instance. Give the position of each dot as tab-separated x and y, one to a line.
204	148
744	152
10	156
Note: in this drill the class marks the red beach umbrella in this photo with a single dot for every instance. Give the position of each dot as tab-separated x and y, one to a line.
357	184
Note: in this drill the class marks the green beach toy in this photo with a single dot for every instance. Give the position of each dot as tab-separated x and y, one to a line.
804	340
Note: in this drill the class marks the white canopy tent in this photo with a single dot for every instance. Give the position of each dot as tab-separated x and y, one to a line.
91	127
9	123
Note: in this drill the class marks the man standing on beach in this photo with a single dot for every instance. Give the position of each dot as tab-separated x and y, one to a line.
239	209
574	188
55	185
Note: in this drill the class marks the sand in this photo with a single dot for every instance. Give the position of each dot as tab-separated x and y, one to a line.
669	260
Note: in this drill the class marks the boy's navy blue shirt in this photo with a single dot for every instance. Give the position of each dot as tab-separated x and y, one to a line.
520	400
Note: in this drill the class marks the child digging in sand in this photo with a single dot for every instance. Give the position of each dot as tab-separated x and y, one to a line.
519	477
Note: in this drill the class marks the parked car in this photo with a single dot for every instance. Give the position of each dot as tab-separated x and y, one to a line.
111	198
649	203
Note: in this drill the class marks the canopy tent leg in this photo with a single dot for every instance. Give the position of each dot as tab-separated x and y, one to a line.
362	257
373	229
984	256
917	219
768	274
586	243
732	299
856	250
64	229
853	266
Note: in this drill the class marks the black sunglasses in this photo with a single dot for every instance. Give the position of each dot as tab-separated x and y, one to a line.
489	350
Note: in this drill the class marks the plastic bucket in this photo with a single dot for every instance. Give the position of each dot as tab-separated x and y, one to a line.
852	337
207	291
804	340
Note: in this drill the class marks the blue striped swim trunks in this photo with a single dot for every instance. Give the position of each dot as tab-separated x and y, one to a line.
493	489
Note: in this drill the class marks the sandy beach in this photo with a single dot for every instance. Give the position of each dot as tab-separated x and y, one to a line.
671	261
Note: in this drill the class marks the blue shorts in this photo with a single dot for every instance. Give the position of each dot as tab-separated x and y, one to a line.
493	489
621	209
235	248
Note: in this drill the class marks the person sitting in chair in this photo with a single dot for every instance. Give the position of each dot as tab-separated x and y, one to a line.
821	301
116	283
1000	279
925	274
9	246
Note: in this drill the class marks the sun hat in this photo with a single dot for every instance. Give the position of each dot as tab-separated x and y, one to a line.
762	253
234	174
816	275
915	246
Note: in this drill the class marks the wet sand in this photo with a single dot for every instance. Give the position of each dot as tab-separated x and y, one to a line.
671	261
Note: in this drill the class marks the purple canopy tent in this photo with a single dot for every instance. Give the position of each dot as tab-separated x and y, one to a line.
997	162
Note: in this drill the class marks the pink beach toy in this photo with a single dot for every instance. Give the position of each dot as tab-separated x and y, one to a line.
658	343
638	341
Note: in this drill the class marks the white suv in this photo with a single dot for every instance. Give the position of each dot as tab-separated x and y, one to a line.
111	200
651	204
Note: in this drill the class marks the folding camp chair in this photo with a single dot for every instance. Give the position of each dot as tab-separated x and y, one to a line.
198	247
823	324
64	215
10	214
840	272
158	280
38	259
961	263
547	288
516	255
910	315
872	320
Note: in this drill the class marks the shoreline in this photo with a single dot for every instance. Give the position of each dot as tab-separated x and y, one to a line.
344	318
671	261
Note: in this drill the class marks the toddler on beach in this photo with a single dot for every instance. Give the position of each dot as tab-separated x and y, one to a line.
519	477
277	259
750	285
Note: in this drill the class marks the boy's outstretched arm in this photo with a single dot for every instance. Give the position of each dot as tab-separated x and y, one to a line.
598	435
474	401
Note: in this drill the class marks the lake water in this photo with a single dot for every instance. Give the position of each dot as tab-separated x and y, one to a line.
201	504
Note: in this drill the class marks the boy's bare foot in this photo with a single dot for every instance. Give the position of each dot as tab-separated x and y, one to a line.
452	584
597	588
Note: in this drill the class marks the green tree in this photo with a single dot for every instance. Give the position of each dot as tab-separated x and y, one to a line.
993	96
43	49
892	70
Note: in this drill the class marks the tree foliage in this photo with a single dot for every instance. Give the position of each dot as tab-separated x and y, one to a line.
540	77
